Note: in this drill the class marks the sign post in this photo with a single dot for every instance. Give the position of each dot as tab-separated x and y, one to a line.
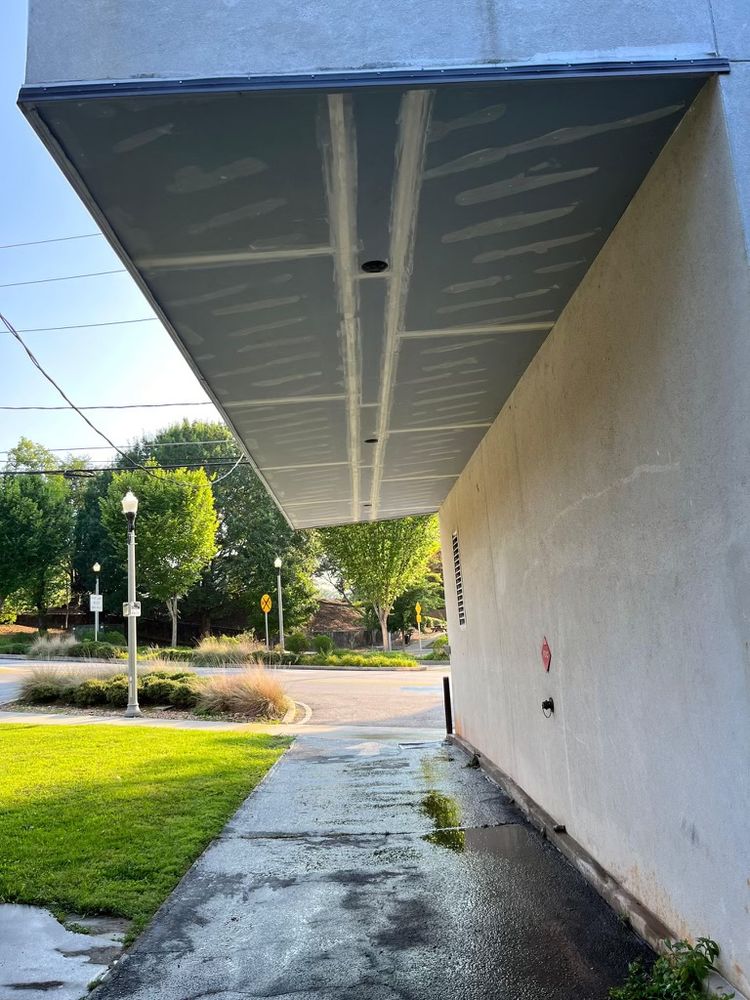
265	606
96	604
418	609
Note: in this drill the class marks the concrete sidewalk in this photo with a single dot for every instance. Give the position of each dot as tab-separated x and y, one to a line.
375	867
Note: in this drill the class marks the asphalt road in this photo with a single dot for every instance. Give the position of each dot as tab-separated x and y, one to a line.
336	697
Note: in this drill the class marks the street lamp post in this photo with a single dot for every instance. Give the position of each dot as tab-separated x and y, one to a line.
96	568
130	509
277	564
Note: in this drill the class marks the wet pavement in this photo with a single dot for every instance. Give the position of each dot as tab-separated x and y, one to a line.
39	957
378	869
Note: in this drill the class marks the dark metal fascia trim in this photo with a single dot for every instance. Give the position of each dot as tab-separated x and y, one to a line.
631	69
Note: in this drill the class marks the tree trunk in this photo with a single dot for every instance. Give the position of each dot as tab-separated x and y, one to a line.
172	608
383	619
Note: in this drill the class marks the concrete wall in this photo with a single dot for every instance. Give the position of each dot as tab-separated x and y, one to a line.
121	39
608	508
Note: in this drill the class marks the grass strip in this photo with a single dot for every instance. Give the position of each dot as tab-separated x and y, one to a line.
106	819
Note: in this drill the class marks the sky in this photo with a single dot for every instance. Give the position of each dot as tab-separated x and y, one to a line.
137	363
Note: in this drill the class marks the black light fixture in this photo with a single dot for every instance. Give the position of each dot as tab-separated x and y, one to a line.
375	266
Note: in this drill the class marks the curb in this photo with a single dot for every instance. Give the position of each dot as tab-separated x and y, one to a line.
229	666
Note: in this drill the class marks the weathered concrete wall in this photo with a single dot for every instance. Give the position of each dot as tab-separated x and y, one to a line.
122	39
608	508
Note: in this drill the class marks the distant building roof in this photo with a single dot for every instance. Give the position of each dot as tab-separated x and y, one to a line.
335	616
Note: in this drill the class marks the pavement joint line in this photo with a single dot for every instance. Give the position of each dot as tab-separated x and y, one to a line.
359	835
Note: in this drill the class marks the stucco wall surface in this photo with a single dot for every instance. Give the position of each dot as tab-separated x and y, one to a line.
608	509
123	39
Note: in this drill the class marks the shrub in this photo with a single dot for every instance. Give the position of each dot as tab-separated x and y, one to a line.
16	639
296	642
92	650
108	634
179	688
252	693
117	691
9	648
344	659
439	643
90	692
49	647
275	658
323	644
175	654
185	695
680	974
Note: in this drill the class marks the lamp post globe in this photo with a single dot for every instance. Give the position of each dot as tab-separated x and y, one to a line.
130	509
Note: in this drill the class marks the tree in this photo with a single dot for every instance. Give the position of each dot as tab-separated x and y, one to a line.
252	532
378	560
428	591
36	529
176	530
19	518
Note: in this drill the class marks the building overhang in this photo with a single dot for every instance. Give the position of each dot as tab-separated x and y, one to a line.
253	212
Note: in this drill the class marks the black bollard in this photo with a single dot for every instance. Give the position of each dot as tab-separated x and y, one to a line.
447	705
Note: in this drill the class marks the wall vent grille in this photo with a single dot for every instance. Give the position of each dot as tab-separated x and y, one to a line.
459	581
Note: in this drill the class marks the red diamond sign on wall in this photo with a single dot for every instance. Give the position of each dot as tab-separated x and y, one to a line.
546	654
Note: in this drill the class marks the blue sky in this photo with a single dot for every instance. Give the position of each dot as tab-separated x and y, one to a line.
137	363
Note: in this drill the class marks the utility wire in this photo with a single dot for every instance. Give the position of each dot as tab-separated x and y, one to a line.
11	329
108	406
147	444
63	277
56	239
90	471
71	405
86	326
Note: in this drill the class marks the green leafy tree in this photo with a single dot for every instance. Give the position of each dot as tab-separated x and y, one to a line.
252	532
19	521
175	530
428	591
378	560
37	527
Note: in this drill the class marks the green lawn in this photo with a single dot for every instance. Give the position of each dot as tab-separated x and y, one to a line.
103	819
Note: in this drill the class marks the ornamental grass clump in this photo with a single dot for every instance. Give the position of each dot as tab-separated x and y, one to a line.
253	693
49	647
225	650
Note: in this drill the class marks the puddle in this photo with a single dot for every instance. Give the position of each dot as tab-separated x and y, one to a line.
445	813
443	810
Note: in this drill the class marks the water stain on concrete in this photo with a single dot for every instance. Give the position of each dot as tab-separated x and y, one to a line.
39	956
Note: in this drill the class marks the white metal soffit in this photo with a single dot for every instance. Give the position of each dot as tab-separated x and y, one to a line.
247	217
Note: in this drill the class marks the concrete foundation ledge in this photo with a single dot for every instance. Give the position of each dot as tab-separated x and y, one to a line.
645	923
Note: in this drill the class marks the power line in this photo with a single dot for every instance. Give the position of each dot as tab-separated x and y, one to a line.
55	239
108	406
91	470
86	326
147	444
12	330
63	277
